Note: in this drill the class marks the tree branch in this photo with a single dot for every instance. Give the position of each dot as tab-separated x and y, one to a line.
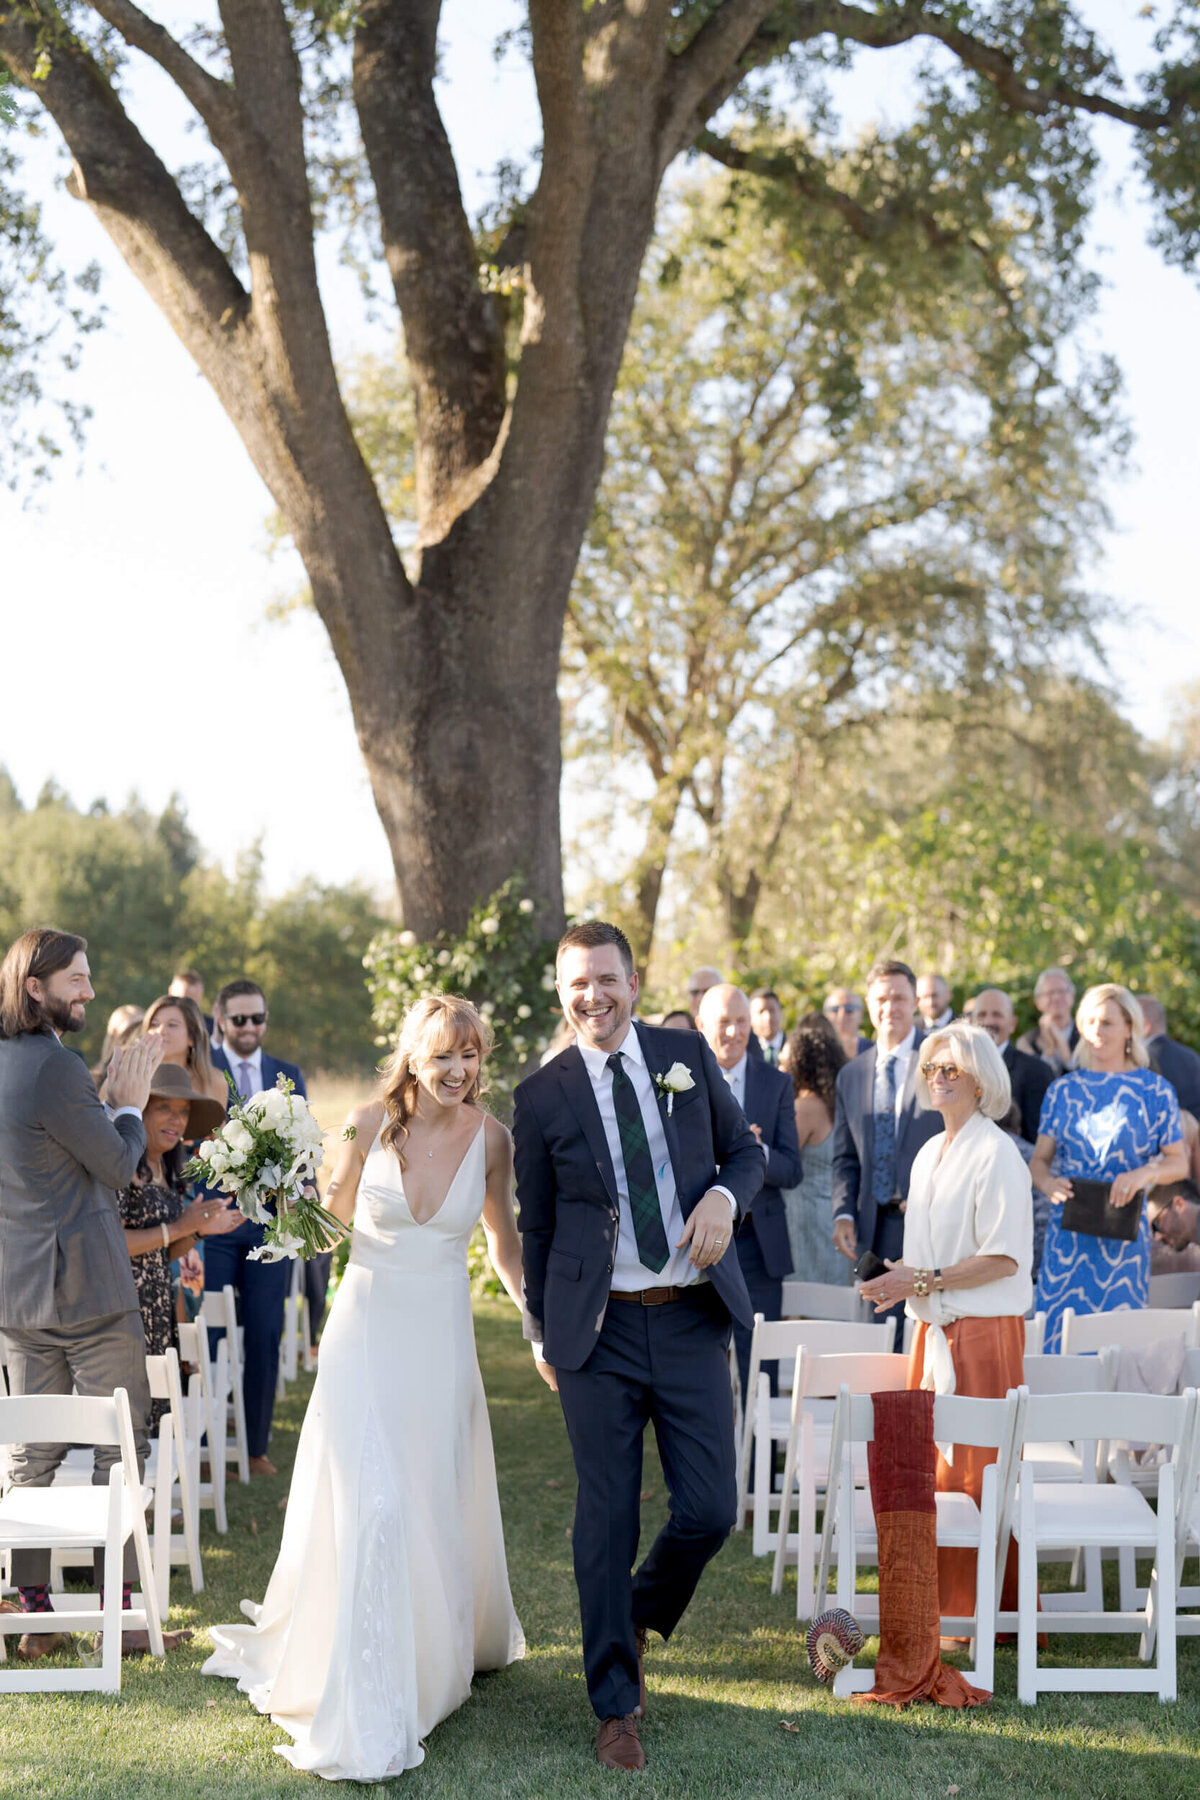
452	331
213	99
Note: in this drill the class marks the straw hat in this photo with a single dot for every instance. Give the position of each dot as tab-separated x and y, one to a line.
173	1083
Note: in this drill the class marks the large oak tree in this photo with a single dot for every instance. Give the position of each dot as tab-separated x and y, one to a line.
452	668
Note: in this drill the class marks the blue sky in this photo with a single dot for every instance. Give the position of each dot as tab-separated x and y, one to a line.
149	554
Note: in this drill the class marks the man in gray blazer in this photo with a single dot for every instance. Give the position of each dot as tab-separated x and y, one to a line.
69	1316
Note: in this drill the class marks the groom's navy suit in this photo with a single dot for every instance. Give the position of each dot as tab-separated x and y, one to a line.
262	1288
620	1364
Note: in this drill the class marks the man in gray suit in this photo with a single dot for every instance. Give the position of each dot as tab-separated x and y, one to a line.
69	1316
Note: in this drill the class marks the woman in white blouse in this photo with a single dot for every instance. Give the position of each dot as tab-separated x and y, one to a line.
966	1272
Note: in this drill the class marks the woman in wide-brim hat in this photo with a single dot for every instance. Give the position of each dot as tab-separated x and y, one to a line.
161	1224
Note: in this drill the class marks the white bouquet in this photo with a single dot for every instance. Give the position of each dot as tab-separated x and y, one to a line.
266	1155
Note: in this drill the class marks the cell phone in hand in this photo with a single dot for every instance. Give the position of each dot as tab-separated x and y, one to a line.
869	1266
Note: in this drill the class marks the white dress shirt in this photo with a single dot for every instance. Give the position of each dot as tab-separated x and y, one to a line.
630	1274
736	1080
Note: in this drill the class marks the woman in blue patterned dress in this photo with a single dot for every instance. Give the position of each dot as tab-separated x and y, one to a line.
1111	1118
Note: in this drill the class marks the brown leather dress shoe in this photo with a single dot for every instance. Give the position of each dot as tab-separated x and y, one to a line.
34	1645
262	1465
618	1745
639	1711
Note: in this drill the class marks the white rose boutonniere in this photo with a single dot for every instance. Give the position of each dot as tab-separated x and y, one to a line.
677	1080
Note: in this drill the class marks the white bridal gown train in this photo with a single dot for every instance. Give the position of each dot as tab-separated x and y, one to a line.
391	1588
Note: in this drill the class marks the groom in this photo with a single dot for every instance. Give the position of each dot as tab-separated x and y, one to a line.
633	1163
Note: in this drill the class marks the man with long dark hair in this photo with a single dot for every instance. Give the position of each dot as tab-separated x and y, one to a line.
69	1316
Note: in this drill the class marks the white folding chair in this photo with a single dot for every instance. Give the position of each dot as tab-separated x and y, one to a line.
823	1300
767	1421
219	1313
818	1380
296	1350
1128	1329
75	1518
961	1524
1069	1459
1035	1334
1171	1292
202	1433
1059	1515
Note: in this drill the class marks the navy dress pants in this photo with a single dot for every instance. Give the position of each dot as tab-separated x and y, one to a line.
666	1366
889	1244
262	1289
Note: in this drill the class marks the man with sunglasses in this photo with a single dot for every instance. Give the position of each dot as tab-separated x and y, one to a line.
241	1013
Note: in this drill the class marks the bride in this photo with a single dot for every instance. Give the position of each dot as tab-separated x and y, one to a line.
391	1588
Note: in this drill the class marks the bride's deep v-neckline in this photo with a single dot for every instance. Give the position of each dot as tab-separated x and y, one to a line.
422	1223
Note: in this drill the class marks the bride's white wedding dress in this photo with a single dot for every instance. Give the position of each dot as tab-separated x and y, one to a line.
391	1588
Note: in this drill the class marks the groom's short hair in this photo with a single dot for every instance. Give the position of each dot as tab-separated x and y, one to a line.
590	935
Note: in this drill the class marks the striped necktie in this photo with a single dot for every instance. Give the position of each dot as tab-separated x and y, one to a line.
639	1170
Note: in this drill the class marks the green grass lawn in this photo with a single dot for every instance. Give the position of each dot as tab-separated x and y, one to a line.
719	1693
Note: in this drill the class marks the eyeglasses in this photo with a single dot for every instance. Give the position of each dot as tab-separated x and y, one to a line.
240	1019
851	1006
948	1071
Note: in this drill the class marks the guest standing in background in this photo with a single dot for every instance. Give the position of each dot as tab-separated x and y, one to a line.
1110	1119
241	1015
965	1273
933	1000
1180	1065
766	1022
699	982
188	984
844	1010
813	1058
1029	1076
121	1029
185	1041
160	1223
1056	1034
678	1020
765	1096
879	1126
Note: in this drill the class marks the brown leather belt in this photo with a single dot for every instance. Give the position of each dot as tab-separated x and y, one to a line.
648	1296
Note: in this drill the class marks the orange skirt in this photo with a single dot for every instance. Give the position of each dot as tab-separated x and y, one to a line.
989	1358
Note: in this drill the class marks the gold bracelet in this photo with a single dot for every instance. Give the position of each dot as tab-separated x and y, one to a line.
920	1283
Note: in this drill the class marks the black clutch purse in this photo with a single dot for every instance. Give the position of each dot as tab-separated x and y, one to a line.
1091	1211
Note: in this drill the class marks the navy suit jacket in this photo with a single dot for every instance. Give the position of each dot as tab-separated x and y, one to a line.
854	1140
567	1191
1030	1076
1181	1067
272	1068
770	1106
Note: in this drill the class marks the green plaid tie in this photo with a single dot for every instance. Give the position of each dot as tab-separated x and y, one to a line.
639	1170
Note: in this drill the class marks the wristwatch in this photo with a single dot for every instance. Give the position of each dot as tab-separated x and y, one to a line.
938	1283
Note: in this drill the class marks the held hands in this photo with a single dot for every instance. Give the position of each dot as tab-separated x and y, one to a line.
844	1238
709	1230
131	1072
888	1290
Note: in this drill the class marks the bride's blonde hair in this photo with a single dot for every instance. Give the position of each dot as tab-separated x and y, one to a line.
436	1024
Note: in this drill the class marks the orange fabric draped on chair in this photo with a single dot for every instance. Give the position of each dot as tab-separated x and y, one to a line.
989	1359
901	1461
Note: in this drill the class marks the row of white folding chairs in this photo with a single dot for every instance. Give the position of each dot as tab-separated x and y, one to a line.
218	1312
73	1518
296	1345
1132	1328
1170	1292
768	1420
1051	1518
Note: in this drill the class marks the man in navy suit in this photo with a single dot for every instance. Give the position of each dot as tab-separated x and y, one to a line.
633	1164
878	1126
241	1013
1180	1065
765	1096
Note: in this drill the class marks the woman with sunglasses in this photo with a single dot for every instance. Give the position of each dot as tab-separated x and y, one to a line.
965	1275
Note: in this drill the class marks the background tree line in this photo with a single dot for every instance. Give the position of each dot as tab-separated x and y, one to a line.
138	887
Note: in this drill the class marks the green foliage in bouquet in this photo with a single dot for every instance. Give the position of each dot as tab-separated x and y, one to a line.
502	962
